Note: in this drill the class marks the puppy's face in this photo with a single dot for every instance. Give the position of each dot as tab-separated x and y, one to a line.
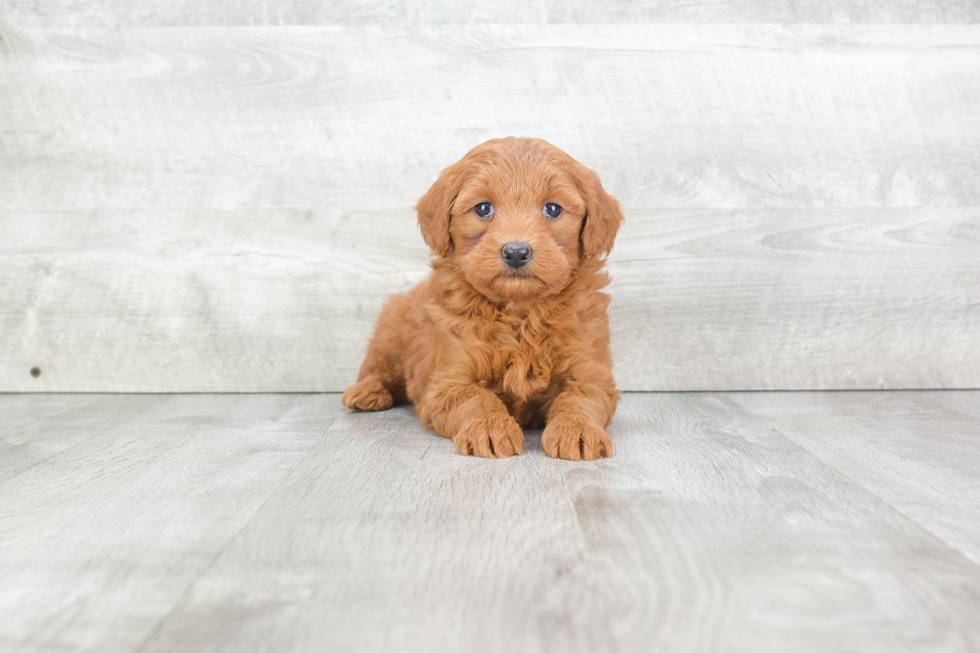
515	224
518	216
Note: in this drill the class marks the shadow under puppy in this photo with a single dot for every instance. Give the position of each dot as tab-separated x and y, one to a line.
510	328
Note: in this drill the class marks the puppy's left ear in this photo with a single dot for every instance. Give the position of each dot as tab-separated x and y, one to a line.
436	206
602	215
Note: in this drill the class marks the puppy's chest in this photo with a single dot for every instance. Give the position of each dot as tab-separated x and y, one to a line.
525	357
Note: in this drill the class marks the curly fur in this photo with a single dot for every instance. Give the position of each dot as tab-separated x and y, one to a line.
482	349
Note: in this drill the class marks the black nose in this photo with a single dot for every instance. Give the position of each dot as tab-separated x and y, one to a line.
516	255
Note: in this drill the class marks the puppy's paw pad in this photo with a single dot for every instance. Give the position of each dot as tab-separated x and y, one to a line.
574	439
490	437
368	394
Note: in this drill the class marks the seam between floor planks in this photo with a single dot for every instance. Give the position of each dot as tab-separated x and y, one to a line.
857	480
190	586
282	409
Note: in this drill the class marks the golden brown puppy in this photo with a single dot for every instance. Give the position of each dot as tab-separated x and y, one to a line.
510	328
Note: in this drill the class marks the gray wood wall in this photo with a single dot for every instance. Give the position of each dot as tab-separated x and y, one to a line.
217	196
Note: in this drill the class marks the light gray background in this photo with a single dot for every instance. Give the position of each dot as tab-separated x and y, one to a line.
218	196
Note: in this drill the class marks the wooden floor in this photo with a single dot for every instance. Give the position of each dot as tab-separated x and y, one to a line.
725	522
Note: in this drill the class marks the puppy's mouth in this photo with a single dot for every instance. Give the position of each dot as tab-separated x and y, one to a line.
518	283
506	283
518	273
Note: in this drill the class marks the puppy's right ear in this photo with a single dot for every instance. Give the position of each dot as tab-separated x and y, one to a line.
436	206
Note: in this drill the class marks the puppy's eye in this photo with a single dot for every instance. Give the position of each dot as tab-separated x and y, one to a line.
552	211
483	209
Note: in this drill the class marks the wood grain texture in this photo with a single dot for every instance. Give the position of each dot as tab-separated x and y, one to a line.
813	299
220	301
729	536
364	118
118	13
285	300
224	209
34	431
226	523
101	538
919	468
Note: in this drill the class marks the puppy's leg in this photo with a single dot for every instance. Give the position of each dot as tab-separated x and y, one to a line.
473	418
368	394
381	381
575	428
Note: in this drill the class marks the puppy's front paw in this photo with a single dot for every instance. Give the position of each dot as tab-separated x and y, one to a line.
368	394
490	437
575	439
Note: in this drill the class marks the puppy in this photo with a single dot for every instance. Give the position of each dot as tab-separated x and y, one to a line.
510	328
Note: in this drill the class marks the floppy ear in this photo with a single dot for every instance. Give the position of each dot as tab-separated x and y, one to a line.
602	216
435	207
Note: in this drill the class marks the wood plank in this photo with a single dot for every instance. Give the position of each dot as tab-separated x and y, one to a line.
708	530
396	542
777	299
35	429
223	209
170	301
98	542
285	300
360	118
720	533
964	403
913	450
116	13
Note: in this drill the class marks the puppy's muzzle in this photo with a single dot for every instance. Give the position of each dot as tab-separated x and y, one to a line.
516	255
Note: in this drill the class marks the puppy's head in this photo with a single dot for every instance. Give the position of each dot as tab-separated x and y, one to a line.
518	216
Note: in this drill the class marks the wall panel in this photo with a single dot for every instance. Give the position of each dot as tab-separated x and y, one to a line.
224	208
